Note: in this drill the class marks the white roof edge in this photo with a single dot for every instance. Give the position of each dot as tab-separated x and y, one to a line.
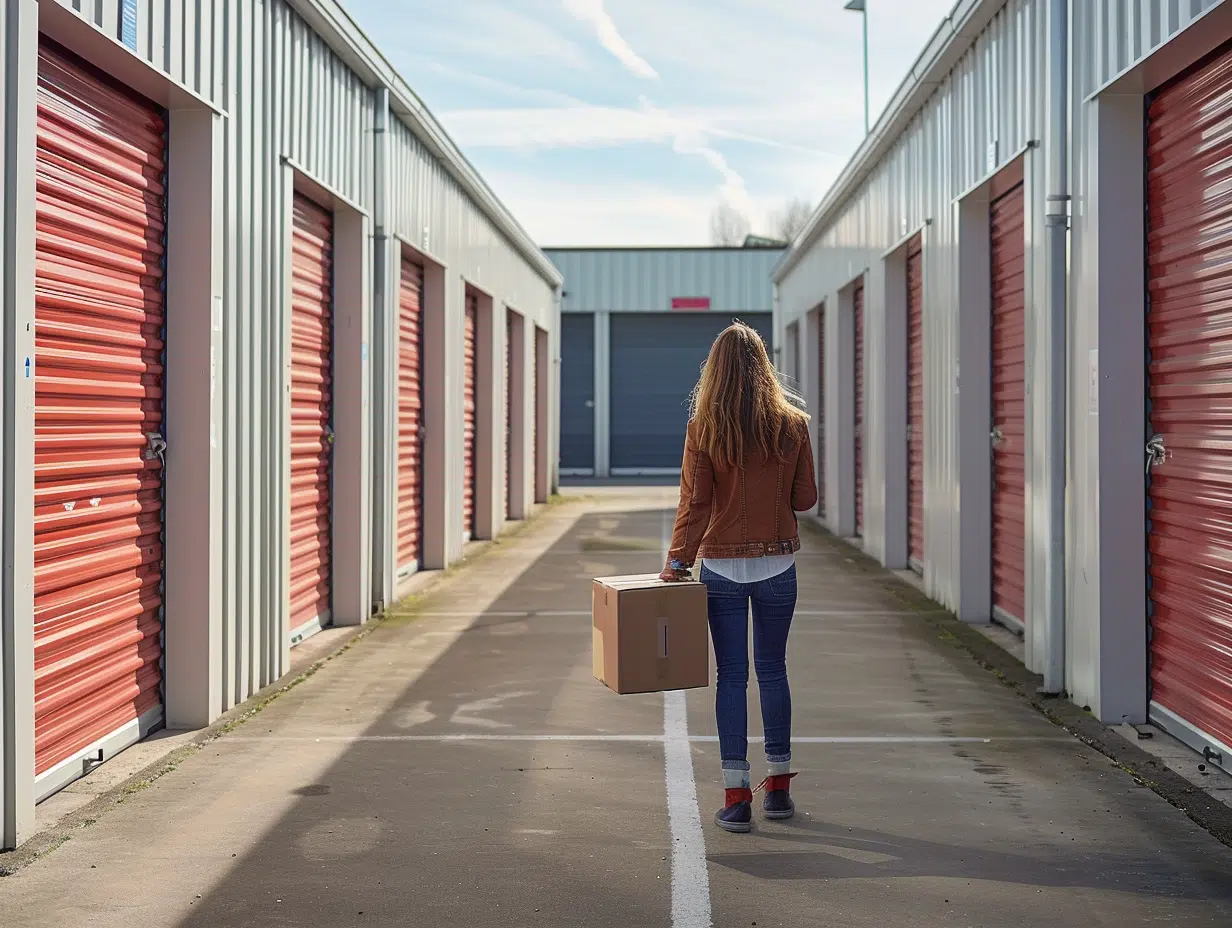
335	25
952	39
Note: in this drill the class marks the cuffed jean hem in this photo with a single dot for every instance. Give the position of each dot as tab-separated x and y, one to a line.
736	774
779	764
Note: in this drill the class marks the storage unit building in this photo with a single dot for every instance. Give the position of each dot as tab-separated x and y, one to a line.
637	324
1004	455
236	261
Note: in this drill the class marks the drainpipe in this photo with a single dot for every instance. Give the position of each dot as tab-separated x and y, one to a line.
384	449
1056	226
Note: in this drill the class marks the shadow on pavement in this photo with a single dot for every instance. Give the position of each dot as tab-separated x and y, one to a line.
852	853
492	833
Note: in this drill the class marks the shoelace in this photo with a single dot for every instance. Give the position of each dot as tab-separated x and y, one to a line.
766	783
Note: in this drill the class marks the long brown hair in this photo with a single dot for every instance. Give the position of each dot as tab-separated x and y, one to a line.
739	407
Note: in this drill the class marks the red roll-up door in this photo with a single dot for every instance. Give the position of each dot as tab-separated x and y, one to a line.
821	411
508	413
858	443
915	403
1009	413
1189	331
469	412
410	416
312	253
536	427
98	412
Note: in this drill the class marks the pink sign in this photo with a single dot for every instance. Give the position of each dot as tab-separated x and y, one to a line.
690	302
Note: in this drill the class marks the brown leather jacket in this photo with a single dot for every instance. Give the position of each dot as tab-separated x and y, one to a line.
746	512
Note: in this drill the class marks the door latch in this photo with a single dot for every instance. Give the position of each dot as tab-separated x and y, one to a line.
156	447
1156	452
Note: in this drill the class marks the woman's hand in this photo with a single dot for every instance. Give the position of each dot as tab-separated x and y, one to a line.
672	575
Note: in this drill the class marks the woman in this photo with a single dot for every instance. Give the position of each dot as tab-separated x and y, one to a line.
748	469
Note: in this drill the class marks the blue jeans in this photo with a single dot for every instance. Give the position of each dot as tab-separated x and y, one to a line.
773	602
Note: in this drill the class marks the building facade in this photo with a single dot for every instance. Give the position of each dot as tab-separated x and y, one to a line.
271	346
636	326
1011	306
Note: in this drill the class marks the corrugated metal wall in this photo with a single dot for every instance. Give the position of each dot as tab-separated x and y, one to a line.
944	152
288	95
993	94
425	200
645	280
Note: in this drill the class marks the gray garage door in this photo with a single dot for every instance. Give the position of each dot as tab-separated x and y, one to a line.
577	392
656	358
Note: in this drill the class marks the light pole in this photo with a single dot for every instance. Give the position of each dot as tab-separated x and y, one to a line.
861	7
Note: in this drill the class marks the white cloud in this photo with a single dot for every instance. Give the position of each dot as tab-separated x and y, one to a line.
563	213
593	13
762	97
582	126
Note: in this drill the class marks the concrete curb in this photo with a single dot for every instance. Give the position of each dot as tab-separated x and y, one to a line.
1146	770
47	840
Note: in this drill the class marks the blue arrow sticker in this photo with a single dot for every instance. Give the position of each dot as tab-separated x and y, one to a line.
27	368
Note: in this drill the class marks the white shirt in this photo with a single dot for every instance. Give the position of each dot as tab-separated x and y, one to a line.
750	569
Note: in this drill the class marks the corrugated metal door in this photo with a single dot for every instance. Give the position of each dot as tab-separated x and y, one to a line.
915	403
1189	151
98	548
857	299
656	360
1009	359
821	411
577	392
410	417
312	435
536	427
469	412
508	413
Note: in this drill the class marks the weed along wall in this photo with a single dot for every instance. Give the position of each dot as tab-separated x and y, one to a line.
238	416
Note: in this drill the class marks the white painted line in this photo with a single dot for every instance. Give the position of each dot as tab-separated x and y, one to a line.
690	875
645	739
862	613
580	613
640	739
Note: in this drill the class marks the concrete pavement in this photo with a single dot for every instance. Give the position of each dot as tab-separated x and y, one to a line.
459	766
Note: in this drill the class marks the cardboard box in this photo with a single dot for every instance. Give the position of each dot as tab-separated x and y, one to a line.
650	636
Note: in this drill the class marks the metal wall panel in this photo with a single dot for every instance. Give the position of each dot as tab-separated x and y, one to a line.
656	360
577	391
630	280
184	39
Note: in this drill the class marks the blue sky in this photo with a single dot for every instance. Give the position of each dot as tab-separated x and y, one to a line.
626	122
